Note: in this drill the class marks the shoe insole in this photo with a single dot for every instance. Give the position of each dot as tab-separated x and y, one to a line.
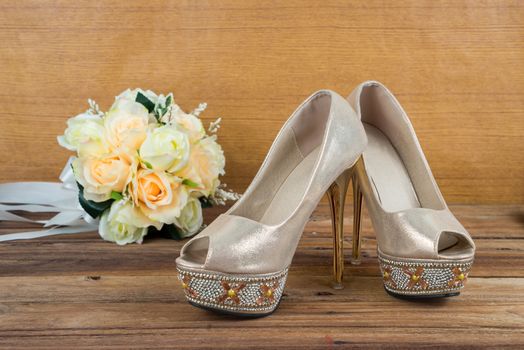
392	185
388	176
290	193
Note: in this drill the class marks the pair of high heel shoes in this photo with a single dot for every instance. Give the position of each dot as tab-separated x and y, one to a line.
239	263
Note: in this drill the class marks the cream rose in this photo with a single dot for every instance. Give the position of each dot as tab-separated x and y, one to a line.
189	123
126	125
123	223
101	176
206	163
190	219
85	134
130	95
166	148
160	196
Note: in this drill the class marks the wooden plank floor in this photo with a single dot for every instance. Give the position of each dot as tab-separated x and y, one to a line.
79	291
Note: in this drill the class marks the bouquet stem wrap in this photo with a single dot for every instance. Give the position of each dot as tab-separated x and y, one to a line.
45	197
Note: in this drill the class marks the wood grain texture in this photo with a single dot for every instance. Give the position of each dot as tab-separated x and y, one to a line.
79	291
457	67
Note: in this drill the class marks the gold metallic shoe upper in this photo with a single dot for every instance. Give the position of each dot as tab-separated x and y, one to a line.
409	214
259	234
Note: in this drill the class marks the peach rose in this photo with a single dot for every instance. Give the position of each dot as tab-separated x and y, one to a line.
101	176
160	196
126	125
206	163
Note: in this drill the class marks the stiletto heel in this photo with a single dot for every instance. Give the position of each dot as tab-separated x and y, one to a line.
337	199
357	214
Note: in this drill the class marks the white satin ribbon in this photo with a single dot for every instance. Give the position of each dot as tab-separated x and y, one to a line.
38	197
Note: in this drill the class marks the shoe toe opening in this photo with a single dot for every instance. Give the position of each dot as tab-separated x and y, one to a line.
194	254
452	245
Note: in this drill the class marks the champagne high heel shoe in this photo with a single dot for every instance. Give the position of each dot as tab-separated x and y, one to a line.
423	250
239	263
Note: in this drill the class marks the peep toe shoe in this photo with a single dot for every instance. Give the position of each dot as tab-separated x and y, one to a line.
423	250
239	263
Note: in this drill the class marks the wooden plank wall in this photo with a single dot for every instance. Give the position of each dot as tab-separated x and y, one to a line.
457	66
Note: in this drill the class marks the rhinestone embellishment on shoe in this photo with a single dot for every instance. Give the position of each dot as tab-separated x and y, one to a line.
423	278
235	293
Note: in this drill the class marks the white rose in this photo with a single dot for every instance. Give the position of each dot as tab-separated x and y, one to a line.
189	123
130	95
126	125
206	163
160	196
123	223
85	134
190	219
166	148
101	176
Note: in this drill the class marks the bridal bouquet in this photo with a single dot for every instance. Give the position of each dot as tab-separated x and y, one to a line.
145	165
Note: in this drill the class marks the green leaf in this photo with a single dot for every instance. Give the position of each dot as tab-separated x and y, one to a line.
147	164
161	112
94	209
116	195
169	231
143	100
189	183
169	100
205	202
